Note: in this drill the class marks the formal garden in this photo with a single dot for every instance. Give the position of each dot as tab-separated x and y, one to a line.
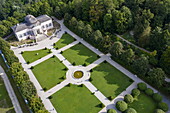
105	77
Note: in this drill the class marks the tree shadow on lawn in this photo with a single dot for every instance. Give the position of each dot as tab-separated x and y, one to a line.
120	83
84	51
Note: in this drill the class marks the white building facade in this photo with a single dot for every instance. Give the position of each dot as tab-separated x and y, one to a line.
32	27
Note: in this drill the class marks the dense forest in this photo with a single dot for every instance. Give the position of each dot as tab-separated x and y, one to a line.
97	21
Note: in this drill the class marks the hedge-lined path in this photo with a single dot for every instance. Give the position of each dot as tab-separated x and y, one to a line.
49	44
10	91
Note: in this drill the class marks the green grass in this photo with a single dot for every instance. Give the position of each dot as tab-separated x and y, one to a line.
17	93
75	99
31	56
65	40
144	104
80	55
5	102
109	80
49	72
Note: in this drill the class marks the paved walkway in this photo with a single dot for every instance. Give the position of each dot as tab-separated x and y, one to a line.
132	44
10	91
97	93
49	44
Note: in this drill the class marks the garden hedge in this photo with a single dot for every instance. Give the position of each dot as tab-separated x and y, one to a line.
159	111
163	106
121	105
130	110
142	86
111	111
135	93
149	91
157	97
128	98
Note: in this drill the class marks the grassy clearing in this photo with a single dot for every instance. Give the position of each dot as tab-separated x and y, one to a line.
31	56
144	104
80	55
49	72
75	99
65	40
109	80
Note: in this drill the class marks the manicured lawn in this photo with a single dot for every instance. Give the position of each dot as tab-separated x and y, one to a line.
75	99
109	80
49	72
65	40
80	55
5	102
144	104
31	56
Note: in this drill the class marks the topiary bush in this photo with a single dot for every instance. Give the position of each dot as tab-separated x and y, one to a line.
111	111
130	110
157	97
163	106
149	91
142	86
128	98
135	93
121	105
159	111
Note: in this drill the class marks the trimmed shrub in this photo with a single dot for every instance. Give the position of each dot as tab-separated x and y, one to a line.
121	105
130	110
159	111
84	64
32	67
157	97
149	91
110	97
28	62
50	97
61	52
135	93
142	86
22	52
111	111
73	63
90	79
163	106
128	98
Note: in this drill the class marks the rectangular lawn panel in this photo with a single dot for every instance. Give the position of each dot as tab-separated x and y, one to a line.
65	40
75	99
80	55
5	102
31	56
109	80
144	104
49	72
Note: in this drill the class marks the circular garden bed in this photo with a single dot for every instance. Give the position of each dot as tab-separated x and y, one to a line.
78	74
